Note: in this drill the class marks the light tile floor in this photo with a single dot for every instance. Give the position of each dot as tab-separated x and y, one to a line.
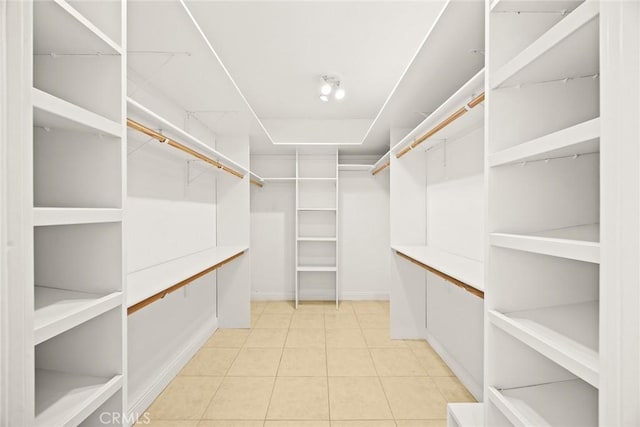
311	367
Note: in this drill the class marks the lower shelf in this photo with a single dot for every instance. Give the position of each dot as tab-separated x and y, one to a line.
64	399
58	310
465	414
565	403
316	268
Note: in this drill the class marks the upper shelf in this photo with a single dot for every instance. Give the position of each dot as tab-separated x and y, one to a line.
582	138
382	163
80	35
537	405
154	121
154	280
566	334
568	49
52	112
451	119
354	167
465	270
71	216
580	242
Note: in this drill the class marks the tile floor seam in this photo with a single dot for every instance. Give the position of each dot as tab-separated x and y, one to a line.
275	379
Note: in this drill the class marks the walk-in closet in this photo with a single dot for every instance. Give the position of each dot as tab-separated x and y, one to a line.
315	213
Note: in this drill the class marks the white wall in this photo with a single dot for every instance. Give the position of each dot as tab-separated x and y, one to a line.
363	239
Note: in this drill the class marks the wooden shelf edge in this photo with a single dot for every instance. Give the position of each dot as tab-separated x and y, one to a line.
159	295
448	278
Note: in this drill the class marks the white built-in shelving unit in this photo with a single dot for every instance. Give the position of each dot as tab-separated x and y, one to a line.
316	251
543	158
79	140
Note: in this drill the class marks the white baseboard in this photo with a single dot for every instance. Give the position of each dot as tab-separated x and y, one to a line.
321	295
463	375
157	384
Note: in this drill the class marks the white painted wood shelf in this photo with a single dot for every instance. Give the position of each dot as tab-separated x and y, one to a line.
583	138
154	121
564	51
51	112
318	179
565	334
80	35
58	310
318	209
291	179
564	403
319	268
64	399
354	167
467	414
147	282
72	216
579	243
466	270
317	239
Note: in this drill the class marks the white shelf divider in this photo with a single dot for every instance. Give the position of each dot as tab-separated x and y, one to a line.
319	179
539	405
58	310
582	138
547	331
317	239
51	111
70	216
581	16
150	281
580	243
466	270
66	400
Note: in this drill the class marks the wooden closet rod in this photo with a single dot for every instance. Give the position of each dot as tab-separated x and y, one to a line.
445	276
255	182
163	139
381	168
155	297
443	124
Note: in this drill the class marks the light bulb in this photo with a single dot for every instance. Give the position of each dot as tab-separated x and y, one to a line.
325	89
339	93
324	98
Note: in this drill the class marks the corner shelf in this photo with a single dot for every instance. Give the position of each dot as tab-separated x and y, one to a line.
583	138
466	270
580	243
51	15
537	405
58	310
552	332
52	112
150	281
70	216
573	37
67	399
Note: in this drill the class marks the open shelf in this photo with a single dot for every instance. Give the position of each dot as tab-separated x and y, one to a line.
317	268
580	242
565	403
354	167
317	209
329	179
582	138
72	216
566	334
52	112
154	121
466	270
58	310
291	179
64	399
150	281
317	239
565	50
80	35
466	414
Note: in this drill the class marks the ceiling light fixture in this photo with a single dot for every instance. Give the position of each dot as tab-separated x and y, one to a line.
329	84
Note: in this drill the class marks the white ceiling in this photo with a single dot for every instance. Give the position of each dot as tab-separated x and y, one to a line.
276	51
273	53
